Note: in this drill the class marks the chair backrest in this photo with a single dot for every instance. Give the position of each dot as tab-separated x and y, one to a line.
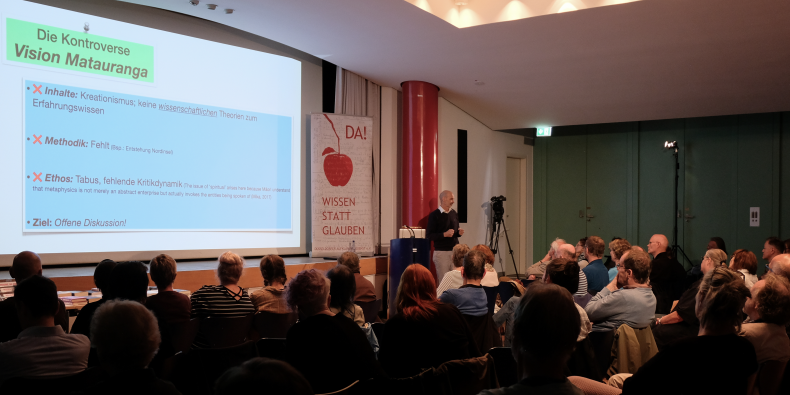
273	348
505	365
506	291
346	390
485	334
469	376
583	362
196	371
370	309
491	293
378	329
631	348
183	333
30	385
602	348
269	324
220	332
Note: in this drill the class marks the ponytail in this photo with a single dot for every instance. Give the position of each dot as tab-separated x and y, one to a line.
723	297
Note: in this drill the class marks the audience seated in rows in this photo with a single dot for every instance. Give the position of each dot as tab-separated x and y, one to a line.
597	275
25	265
424	331
227	300
101	278
341	291
330	350
617	248
470	298
667	275
682	322
168	305
272	297
627	299
745	262
262	375
768	309
544	336
490	278
43	349
126	337
365	292
453	279
717	361
563	272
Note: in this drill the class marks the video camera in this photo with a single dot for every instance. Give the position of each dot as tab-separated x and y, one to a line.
497	207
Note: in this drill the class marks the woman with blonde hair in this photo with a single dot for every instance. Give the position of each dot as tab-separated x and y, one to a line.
453	279
617	248
745	263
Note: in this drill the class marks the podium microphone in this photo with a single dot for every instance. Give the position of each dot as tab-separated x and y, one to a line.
410	230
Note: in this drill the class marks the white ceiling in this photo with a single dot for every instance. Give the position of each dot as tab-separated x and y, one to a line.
650	59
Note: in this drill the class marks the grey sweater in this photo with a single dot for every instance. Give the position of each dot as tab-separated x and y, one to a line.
634	307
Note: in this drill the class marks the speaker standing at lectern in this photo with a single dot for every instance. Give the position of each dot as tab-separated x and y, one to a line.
443	230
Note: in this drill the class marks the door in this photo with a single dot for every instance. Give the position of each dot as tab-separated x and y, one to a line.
710	201
513	214
607	180
566	187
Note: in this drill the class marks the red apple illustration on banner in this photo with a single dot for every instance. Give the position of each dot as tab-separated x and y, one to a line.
337	167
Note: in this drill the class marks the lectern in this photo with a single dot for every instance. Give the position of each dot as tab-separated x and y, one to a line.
404	252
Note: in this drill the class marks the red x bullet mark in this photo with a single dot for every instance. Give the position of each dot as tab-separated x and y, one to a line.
38	139
38	89
38	176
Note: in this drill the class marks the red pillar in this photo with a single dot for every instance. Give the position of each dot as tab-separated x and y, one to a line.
420	191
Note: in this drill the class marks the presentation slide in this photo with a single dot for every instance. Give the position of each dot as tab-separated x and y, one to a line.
118	137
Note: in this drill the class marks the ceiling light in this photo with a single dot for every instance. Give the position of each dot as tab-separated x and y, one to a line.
211	6
194	2
567	7
229	10
461	2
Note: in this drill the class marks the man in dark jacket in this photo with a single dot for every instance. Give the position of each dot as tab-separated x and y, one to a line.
666	274
443	230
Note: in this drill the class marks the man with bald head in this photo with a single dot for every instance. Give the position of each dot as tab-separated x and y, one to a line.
666	274
26	264
444	231
780	265
560	249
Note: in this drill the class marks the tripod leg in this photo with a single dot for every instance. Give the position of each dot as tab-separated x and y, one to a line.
510	248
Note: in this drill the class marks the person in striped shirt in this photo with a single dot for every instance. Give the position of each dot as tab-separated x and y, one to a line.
227	300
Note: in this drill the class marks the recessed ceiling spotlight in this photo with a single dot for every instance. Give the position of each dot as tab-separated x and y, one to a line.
229	10
461	2
194	2
478	82
211	6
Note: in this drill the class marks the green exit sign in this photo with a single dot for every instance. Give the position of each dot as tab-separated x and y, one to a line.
544	132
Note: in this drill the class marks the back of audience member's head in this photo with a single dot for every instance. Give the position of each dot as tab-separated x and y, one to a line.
36	297
716	255
129	281
350	260
125	335
772	299
474	265
776	244
595	246
744	259
719	243
563	272
25	264
781	265
307	293
618	247
102	277
229	268
342	289
567	251
163	271
722	294
459	251
638	262
273	270
416	296
489	256
262	375
546	326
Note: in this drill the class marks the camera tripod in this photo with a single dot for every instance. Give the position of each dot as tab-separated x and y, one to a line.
498	221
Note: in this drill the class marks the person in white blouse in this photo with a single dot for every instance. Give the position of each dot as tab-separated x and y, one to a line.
745	263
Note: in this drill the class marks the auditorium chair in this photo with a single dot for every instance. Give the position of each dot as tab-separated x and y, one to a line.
491	293
268	324
222	332
36	385
458	377
378	329
371	310
583	363
485	334
506	291
602	348
347	390
631	348
183	334
505	365
195	372
273	348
